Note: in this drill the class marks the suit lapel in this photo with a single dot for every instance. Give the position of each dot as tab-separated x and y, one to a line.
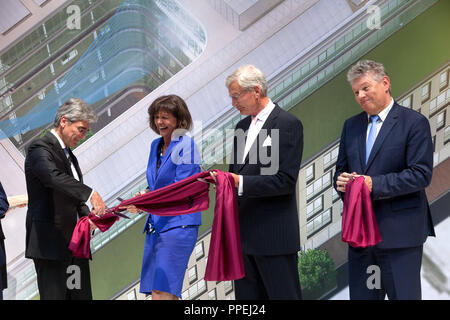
268	124
389	123
75	164
363	122
167	156
239	150
59	152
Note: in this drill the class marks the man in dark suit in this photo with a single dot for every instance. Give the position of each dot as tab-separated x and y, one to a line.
56	200
4	206
391	147
265	163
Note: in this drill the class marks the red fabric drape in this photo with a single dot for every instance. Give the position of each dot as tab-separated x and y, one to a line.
81	237
225	261
359	226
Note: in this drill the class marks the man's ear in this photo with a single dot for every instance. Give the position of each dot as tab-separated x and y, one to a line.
387	83
63	122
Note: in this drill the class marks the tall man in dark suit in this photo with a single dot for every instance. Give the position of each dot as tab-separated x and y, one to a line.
4	206
265	163
391	147
56	200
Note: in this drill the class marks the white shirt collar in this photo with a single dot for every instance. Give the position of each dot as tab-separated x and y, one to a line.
63	145
264	113
383	114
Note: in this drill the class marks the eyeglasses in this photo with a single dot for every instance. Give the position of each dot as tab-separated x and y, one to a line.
82	130
238	96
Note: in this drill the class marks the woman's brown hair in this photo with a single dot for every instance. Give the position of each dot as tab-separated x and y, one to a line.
173	104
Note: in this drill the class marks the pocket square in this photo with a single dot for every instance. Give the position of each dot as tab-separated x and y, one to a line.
267	142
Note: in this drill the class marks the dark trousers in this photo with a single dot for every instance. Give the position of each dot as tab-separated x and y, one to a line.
269	278
63	280
398	272
3	276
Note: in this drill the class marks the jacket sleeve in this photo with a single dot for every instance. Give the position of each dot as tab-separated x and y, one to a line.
42	164
341	162
4	205
418	165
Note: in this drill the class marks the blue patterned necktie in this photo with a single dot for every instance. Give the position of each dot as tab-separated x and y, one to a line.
372	135
66	151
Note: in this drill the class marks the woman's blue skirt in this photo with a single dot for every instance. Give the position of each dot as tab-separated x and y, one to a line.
165	259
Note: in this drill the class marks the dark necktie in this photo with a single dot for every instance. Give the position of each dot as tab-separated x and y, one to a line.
67	152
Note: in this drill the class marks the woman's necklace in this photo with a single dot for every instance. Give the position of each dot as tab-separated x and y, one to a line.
163	149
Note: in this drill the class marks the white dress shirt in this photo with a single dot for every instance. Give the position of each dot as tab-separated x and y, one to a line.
253	131
74	171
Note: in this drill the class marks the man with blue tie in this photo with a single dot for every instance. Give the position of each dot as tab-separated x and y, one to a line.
391	147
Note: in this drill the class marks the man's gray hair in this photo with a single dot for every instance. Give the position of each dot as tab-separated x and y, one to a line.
247	77
75	110
361	68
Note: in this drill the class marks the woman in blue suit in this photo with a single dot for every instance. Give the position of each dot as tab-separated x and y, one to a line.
169	241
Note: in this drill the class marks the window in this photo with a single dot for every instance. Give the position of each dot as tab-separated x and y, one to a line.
228	287
407	102
440	120
330	158
318	186
192	274
199	251
309	173
314	207
212	295
433	106
194	291
318	222
447	135
426	91
335	196
437	102
443	80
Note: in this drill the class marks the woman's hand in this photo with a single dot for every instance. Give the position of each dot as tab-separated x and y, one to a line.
132	208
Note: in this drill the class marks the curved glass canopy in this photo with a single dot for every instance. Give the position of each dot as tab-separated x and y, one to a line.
133	48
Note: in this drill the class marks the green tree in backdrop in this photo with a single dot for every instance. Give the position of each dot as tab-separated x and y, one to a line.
317	273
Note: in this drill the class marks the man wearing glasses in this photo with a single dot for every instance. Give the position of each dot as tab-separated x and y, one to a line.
267	150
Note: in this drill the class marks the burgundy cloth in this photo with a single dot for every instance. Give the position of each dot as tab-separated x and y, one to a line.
359	226
225	260
81	237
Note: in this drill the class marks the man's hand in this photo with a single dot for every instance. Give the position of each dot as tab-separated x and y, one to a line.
342	181
368	181
98	206
92	225
213	174
345	177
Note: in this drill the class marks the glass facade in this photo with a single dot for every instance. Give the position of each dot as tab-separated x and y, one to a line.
308	76
109	53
